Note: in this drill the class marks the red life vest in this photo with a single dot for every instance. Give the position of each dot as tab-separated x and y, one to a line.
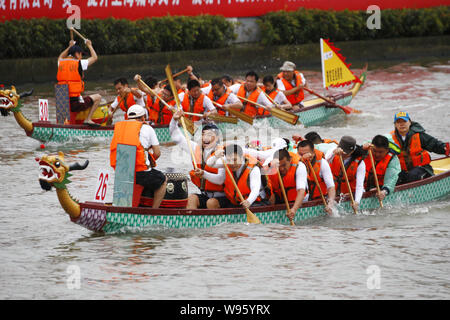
249	108
339	179
380	168
295	98
314	192
202	183
289	180
158	112
220	100
243	182
127	132
196	108
412	155
68	74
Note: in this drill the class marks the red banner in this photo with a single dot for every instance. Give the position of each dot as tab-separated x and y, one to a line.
137	9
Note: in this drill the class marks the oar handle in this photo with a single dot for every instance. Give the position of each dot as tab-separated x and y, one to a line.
175	75
79	34
345	109
375	177
251	217
348	183
283	191
183	124
255	103
268	97
317	182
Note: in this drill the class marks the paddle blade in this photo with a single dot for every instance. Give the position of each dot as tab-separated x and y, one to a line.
284	115
220	118
251	217
190	127
243	116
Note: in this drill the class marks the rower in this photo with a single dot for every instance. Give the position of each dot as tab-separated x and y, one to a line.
127	97
270	88
293	173
414	147
248	178
148	96
323	172
387	166
222	95
323	145
196	101
159	113
291	83
250	91
71	69
208	179
352	157
136	132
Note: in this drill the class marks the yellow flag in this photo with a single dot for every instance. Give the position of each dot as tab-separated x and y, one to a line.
335	71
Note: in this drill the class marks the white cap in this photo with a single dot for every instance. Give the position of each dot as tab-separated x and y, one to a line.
135	111
288	66
279	143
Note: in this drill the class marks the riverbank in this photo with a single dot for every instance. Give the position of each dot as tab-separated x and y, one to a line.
232	60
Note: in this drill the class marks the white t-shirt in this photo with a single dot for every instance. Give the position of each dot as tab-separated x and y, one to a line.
148	138
84	64
262	99
231	99
140	101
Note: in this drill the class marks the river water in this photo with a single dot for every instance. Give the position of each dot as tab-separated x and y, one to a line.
395	253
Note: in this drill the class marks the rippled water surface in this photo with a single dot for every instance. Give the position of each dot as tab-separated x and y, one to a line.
331	258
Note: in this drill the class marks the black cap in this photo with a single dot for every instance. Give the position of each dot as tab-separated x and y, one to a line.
347	144
74	49
210	126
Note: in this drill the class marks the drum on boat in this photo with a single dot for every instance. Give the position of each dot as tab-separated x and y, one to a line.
176	191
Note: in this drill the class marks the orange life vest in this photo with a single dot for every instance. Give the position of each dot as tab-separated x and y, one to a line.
124	104
127	132
197	107
289	180
202	183
68	74
339	179
380	168
249	108
272	96
158	112
329	141
314	192
220	100
243	182
412	155
295	98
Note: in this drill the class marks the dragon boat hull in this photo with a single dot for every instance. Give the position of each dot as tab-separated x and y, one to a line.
106	218
314	112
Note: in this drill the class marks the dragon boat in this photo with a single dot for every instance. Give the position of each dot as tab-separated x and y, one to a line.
314	112
111	218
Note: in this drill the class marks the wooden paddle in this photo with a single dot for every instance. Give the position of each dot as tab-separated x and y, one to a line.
251	217
175	75
348	184
177	101
279	113
215	117
317	182
243	116
375	177
189	124
346	109
79	34
283	191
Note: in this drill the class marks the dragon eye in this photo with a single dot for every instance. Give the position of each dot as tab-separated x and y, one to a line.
10	95
57	164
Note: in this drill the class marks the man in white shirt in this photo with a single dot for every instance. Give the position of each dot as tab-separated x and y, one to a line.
196	101
223	96
127	96
153	180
